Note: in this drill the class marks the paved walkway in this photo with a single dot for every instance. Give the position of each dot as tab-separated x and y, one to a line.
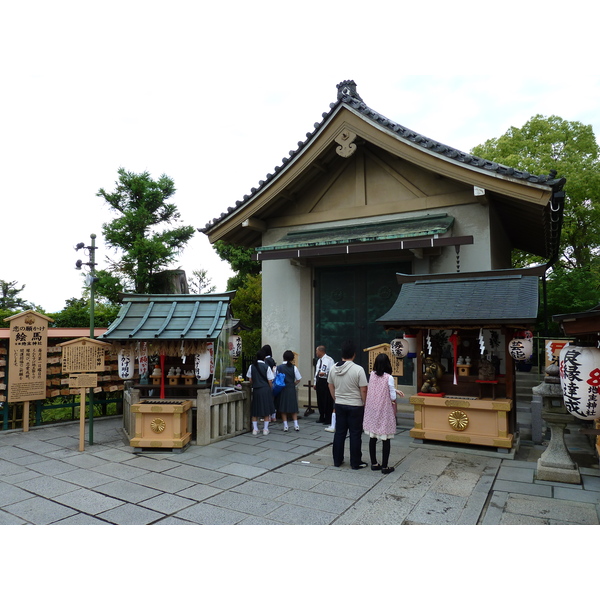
282	478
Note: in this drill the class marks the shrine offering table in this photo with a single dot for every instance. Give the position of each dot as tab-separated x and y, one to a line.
161	423
466	420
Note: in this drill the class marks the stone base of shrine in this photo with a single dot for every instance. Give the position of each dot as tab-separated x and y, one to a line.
480	421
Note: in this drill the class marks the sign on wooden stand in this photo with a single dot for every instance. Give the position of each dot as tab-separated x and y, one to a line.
27	359
83	358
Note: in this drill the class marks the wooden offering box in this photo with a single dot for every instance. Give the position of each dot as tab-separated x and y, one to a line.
161	424
462	420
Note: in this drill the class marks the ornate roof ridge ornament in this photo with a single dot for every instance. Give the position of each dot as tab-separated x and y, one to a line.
347	88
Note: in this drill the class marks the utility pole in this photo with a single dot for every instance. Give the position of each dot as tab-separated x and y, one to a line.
90	280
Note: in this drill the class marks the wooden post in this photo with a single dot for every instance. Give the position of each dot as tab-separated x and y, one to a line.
26	415
82	419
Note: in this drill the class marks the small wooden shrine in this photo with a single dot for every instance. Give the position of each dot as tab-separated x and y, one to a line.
175	351
464	324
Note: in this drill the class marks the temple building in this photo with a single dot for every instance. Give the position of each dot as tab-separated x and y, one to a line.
362	199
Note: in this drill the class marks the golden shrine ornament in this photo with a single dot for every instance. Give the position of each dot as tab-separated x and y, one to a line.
158	425
458	420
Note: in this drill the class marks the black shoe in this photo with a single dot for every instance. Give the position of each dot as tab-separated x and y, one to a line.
339	465
375	467
361	465
387	470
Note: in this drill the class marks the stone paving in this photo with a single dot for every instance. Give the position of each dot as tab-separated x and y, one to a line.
283	478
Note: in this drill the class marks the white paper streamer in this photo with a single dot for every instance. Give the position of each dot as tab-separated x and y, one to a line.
428	342
481	342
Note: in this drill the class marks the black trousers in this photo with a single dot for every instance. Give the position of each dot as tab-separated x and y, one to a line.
348	422
324	400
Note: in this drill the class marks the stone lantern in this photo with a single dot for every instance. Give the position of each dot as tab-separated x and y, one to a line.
555	464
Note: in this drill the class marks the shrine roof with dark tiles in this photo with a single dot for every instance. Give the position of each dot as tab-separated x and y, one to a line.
348	95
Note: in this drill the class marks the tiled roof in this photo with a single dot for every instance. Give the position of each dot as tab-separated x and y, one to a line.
348	95
465	300
170	317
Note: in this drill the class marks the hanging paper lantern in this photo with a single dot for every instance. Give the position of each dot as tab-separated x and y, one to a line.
412	345
399	347
126	363
202	366
520	348
580	381
235	346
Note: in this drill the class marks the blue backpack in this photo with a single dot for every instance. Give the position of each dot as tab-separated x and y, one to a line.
278	383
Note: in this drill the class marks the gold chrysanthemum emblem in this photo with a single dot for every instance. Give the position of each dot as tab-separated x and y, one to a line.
158	425
458	420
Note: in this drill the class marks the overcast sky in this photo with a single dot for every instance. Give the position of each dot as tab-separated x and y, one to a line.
215	94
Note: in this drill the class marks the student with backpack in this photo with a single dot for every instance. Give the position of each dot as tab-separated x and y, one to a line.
288	396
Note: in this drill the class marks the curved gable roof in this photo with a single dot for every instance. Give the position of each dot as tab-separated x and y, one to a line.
348	98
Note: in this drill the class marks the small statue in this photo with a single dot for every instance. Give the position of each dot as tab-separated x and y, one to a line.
171	372
156	372
487	371
433	372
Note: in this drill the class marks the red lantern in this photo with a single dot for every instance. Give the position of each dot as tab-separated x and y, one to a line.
580	381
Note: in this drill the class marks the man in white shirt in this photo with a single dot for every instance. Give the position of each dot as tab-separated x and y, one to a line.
324	399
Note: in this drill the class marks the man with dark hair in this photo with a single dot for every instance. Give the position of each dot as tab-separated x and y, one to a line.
324	399
348	386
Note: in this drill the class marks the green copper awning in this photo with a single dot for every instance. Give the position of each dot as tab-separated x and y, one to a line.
370	232
403	234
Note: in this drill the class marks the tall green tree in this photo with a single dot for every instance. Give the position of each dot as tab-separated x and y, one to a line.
9	296
247	307
247	282
76	313
570	148
143	232
201	283
241	262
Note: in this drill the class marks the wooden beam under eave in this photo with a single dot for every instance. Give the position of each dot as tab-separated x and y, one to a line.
255	224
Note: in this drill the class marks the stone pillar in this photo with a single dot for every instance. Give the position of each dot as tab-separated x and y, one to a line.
556	463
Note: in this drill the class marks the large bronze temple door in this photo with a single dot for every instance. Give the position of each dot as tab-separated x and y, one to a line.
349	299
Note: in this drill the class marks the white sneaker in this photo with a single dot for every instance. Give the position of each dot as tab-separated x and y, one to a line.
255	432
330	429
265	432
285	428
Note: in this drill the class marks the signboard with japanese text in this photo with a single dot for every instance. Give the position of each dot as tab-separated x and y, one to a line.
83	355
553	348
27	356
83	380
